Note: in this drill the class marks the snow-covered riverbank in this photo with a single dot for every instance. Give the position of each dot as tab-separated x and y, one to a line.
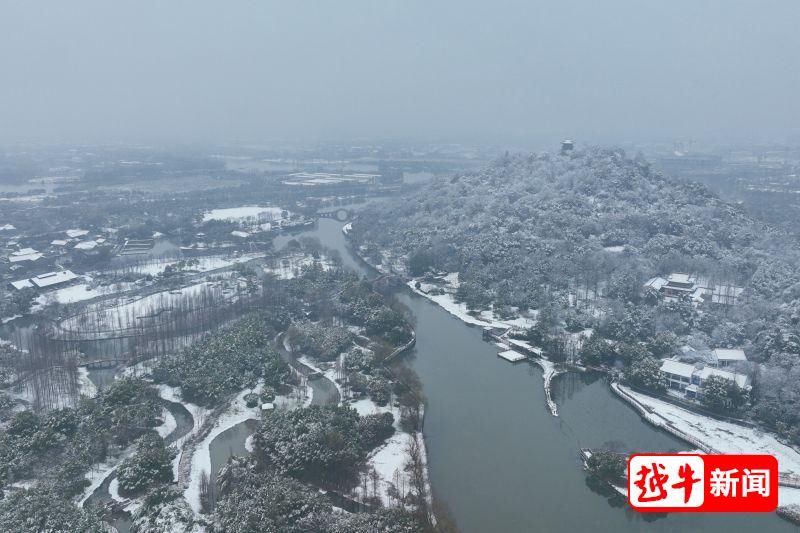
390	459
488	319
717	436
447	301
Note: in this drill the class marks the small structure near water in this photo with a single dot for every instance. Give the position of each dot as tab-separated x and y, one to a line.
511	355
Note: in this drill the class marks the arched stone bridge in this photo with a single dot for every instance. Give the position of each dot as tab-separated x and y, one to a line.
342	215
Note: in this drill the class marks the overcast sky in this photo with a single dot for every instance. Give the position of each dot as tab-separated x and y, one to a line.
491	71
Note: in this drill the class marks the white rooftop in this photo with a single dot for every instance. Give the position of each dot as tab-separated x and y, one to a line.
680	278
656	283
59	242
511	355
671	366
26	257
86	245
726	354
75	233
22	284
707	372
7	227
24	251
53	278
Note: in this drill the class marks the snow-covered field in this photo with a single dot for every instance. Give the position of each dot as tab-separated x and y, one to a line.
79	293
390	458
244	213
127	314
204	264
290	266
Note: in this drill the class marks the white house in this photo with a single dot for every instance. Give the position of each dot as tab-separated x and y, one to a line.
689	379
723	357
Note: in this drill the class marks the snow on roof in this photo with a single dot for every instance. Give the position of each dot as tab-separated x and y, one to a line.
656	283
86	245
680	278
24	251
707	372
27	257
671	366
22	284
698	293
53	278
242	234
75	233
511	355
726	354
7	227
59	242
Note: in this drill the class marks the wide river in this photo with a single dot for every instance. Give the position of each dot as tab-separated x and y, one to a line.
497	457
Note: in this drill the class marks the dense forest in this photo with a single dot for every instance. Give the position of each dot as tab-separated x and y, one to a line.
572	239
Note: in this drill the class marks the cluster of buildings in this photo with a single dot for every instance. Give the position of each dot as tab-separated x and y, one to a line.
43	262
688	379
698	290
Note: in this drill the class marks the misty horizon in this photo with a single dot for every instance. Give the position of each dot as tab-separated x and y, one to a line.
464	72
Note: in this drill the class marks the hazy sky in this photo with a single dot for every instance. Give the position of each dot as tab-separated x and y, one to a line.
496	71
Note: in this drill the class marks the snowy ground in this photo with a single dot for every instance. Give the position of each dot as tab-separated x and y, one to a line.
288	267
86	386
724	437
100	472
199	415
201	460
243	213
78	293
205	264
390	458
113	491
124	314
330	373
549	371
459	310
168	426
